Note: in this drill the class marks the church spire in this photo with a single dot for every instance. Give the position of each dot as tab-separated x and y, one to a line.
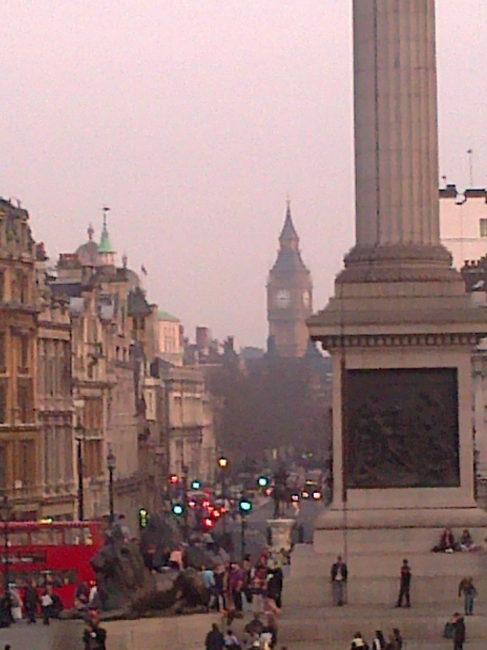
106	252
288	239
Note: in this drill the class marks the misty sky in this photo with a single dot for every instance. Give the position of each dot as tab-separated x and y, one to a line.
193	120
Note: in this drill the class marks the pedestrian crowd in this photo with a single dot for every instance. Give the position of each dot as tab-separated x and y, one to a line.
234	586
454	629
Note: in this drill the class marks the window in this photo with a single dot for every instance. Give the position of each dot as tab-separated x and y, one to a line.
3	467
2	285
23	354
2	352
25	401
3	401
93	458
24	289
93	415
483	227
26	462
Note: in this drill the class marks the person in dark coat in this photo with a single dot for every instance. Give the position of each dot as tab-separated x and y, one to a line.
405	585
31	601
460	632
274	584
339	576
398	638
214	639
94	637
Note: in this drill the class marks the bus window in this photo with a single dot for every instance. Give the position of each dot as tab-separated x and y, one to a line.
18	538
78	536
46	537
70	577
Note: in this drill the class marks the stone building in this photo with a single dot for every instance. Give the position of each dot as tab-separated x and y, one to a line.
20	444
289	295
55	403
463	223
110	327
186	436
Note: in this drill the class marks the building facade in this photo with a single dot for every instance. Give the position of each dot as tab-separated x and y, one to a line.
110	325
20	439
289	295
463	223
55	403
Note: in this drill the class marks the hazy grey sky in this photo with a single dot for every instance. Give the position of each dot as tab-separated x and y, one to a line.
192	120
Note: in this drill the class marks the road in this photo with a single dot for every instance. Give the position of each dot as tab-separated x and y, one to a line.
257	525
309	510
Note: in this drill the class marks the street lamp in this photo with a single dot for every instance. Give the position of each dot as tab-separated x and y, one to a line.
6	555
222	464
245	508
79	434
111	464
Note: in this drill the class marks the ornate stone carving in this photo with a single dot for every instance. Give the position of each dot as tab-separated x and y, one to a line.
402	428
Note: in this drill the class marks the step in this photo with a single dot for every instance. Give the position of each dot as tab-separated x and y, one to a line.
384	540
306	562
372	591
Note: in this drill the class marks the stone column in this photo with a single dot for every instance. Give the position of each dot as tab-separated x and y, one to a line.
396	141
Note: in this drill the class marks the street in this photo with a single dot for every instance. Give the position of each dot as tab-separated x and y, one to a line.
257	524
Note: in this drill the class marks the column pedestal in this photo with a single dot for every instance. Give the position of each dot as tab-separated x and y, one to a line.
281	534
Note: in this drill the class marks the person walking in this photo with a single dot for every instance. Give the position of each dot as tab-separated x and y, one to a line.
339	576
15	603
214	639
466	588
460	632
405	585
275	584
46	602
31	600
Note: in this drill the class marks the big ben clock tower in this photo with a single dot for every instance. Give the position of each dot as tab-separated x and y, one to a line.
289	295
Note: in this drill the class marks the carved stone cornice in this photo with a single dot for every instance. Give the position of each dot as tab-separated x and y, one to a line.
399	341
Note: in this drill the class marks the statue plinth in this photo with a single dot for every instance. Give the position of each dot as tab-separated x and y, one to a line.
281	534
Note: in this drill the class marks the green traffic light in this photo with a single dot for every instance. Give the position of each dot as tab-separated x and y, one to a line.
245	506
262	481
195	485
177	509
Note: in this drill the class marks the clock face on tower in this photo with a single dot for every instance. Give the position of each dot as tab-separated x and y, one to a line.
306	298
282	298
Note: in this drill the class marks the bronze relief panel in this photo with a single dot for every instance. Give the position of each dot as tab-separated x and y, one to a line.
401	428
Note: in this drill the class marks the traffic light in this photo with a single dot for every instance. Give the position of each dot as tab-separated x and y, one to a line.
244	506
195	485
143	517
178	509
262	481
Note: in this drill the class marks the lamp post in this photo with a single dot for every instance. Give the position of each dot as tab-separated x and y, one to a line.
79	434
222	464
111	464
6	556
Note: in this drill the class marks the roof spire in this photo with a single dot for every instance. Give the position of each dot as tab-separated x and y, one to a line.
91	232
106	252
288	232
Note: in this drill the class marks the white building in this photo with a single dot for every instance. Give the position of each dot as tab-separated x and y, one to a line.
169	338
463	230
463	223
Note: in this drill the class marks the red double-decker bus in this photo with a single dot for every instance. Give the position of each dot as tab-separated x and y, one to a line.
55	554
